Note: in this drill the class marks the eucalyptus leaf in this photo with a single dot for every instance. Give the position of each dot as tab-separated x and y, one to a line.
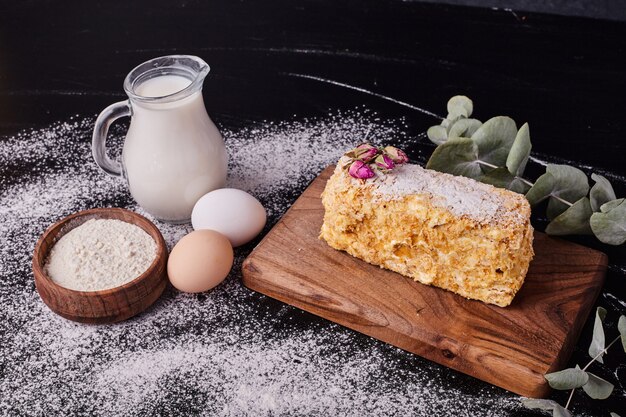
573	221
561	412
437	134
460	105
464	128
597	388
601	312
541	189
501	177
606	207
540	404
621	326
519	186
601	192
456	112
520	151
570	184
450	121
609	225
458	156
494	139
596	347
567	379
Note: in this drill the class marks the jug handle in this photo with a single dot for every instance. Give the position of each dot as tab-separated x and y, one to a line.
98	142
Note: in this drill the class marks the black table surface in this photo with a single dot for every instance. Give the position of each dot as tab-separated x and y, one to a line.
289	61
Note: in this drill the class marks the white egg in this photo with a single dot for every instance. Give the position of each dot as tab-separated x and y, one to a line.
234	213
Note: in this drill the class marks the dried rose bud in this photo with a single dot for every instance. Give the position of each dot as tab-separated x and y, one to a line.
384	162
396	155
360	170
366	152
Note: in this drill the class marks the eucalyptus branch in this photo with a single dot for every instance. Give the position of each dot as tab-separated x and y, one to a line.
525	181
602	352
557	198
573	378
569	400
496	152
487	164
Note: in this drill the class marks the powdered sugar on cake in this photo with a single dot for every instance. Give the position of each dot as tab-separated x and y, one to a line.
462	196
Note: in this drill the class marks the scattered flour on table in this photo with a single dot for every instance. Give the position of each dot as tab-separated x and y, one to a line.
227	352
100	254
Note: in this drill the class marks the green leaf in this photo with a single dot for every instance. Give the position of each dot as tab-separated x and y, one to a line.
614	414
541	189
458	156
460	105
457	112
501	177
573	221
601	192
597	342
609	225
464	128
561	412
571	185
539	404
567	379
437	134
562	181
520	152
494	139
621	326
606	207
597	388
450	120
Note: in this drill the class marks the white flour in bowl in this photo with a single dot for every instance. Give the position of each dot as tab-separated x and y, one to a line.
100	254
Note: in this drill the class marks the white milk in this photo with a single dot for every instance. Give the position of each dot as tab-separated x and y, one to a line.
162	86
173	153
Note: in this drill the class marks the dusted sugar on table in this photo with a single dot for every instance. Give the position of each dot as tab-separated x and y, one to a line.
442	230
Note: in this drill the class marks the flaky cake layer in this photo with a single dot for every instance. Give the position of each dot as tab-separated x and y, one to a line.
451	232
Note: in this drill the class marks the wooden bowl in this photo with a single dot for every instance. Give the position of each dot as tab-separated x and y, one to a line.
105	306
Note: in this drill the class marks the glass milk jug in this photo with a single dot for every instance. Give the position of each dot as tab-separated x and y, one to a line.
173	154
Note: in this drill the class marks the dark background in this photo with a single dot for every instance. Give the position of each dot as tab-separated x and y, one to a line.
565	75
599	9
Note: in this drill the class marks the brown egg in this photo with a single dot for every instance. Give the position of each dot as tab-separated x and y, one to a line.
200	261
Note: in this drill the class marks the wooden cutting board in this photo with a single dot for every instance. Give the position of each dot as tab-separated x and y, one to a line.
510	347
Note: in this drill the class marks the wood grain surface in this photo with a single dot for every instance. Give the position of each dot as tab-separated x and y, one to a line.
510	347
106	306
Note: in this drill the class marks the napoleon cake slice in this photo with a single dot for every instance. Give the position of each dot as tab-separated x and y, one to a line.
447	231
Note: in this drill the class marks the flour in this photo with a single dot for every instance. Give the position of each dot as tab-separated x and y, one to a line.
100	254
